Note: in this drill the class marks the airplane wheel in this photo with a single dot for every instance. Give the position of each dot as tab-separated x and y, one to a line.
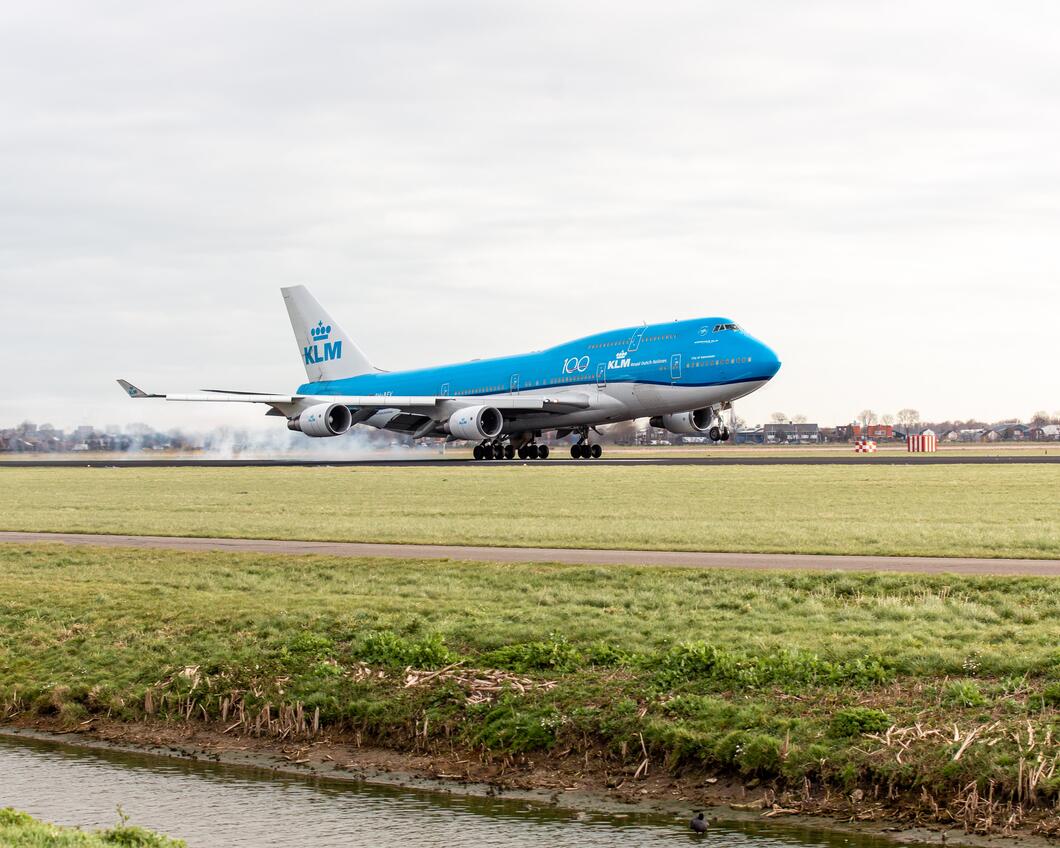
509	452
531	451
524	452
541	452
725	435
597	451
498	451
477	452
715	434
587	451
575	451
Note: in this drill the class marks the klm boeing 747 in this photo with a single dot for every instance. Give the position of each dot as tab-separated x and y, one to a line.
683	376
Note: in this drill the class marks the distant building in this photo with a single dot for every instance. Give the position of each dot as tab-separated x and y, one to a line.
1044	432
876	432
788	433
749	436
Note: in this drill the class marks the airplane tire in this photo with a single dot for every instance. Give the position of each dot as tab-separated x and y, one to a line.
524	452
509	452
597	451
575	451
478	452
531	451
715	434
541	452
725	435
498	451
586	451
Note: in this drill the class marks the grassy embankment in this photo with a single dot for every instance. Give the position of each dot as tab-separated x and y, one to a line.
991	511
935	695
20	830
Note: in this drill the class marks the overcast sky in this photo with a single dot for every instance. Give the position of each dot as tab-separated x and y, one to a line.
872	189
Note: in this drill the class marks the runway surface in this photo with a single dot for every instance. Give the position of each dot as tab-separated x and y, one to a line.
558	462
675	559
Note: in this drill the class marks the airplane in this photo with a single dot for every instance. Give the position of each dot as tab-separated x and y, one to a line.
682	375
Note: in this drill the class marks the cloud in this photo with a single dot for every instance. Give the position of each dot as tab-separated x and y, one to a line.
870	189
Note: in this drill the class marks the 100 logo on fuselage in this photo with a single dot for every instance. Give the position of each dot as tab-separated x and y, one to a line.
575	364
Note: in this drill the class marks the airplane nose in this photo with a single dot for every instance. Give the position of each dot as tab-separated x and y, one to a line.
767	358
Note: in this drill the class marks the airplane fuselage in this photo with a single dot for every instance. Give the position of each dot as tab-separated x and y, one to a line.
629	373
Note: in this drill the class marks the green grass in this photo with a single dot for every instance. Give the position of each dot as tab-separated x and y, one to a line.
989	511
20	830
770	676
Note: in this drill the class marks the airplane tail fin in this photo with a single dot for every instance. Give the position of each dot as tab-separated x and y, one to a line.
327	352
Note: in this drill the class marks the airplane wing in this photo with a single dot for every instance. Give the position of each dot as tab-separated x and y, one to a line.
421	409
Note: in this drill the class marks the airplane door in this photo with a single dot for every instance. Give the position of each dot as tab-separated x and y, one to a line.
634	342
444	392
601	375
675	368
515	383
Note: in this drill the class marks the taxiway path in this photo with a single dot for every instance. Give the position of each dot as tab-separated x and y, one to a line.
674	559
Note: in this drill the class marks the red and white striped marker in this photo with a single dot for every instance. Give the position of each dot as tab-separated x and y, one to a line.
923	443
864	446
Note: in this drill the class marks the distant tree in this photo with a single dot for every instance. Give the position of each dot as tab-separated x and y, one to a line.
1040	418
779	417
738	422
867	417
908	417
799	419
888	419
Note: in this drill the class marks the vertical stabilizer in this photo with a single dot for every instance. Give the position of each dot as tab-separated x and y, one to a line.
326	351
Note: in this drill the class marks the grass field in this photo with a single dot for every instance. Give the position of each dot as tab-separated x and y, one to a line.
21	830
777	677
990	511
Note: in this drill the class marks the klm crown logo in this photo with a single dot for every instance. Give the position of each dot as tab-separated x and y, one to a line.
321	350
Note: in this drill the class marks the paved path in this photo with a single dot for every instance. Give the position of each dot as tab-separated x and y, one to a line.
558	460
676	559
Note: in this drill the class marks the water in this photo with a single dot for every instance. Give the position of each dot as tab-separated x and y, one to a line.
211	805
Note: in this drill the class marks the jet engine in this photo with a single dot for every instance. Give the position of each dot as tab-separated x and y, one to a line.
475	423
324	419
693	423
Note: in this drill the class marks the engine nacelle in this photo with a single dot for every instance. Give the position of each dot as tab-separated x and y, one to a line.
324	419
475	423
694	423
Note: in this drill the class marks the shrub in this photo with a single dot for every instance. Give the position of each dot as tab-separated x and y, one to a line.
700	660
853	721
553	655
759	755
1051	694
963	693
387	648
515	728
308	642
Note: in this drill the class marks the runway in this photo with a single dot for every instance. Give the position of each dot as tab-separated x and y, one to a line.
672	559
558	462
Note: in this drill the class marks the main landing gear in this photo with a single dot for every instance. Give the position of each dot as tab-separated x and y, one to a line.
582	449
497	449
718	434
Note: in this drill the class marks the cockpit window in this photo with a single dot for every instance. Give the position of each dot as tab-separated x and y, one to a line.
721	327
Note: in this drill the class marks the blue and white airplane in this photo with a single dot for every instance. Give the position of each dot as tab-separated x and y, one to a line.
682	376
